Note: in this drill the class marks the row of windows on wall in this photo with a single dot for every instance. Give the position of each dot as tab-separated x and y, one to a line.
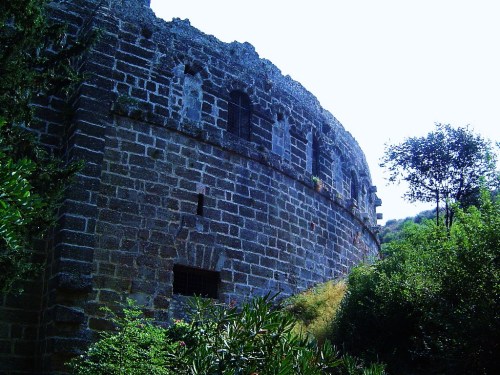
239	119
239	122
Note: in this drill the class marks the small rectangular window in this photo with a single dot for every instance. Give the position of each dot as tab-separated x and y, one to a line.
199	208
190	281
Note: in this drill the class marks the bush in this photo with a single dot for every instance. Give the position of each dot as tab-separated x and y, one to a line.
255	339
431	306
136	347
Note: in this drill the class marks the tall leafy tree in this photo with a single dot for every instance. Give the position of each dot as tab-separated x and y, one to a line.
36	59
446	166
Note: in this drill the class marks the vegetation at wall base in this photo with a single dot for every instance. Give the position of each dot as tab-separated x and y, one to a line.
431	306
255	338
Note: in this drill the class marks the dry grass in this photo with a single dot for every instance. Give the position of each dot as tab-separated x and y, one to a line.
315	309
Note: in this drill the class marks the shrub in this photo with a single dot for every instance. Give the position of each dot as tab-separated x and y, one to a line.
255	339
137	346
431	306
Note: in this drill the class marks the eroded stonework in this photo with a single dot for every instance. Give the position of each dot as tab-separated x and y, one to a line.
199	155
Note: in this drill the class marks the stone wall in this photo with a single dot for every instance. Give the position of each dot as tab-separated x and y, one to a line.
168	182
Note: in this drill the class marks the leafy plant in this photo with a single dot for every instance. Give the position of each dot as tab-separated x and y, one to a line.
136	346
217	339
431	306
31	186
318	183
392	229
36	59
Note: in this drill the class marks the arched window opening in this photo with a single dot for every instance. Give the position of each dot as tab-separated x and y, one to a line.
337	171
364	196
192	95
281	141
239	114
312	154
309	152
354	186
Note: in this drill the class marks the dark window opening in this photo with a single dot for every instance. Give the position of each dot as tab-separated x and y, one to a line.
315	157
199	208
239	114
190	281
280	117
188	69
354	186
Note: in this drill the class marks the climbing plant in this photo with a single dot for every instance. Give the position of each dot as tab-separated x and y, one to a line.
37	59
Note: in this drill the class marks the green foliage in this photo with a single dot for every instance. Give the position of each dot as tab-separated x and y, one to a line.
392	230
315	309
31	185
255	339
36	58
136	347
18	209
448	165
431	306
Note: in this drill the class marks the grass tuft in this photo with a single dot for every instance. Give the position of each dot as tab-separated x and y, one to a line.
315	309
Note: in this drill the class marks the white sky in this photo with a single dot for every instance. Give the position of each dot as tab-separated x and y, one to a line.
386	69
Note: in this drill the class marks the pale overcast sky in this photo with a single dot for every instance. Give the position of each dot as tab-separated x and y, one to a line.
386	69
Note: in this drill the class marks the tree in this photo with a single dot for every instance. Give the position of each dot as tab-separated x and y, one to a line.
36	59
431	305
448	165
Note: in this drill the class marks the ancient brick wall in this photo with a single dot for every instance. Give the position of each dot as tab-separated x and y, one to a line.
180	173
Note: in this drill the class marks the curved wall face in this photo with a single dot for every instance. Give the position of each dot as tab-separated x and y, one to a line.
209	163
200	160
